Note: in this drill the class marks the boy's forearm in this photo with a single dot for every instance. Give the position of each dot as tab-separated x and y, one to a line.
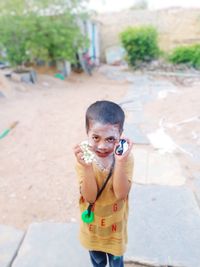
121	184
89	186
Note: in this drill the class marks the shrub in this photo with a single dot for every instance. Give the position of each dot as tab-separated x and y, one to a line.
41	29
189	55
140	4
13	39
140	43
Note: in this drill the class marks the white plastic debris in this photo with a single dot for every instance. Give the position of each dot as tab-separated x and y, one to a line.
164	143
160	140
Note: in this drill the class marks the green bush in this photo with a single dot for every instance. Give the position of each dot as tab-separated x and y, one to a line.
189	55
26	35
13	39
140	43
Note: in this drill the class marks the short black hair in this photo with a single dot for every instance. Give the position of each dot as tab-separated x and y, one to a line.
105	112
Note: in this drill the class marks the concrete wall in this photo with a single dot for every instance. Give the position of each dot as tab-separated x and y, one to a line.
175	26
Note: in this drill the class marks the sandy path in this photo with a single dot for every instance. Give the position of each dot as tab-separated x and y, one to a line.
37	178
179	115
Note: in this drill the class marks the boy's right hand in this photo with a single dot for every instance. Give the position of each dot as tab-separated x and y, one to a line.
79	154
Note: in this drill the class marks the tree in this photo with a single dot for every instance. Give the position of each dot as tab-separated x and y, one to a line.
140	4
41	29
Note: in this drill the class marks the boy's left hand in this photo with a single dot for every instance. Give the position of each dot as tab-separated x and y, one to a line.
125	155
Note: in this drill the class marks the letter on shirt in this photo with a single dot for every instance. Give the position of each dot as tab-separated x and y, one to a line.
115	207
103	222
114	227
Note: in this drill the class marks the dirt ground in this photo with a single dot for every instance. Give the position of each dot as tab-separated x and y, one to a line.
37	177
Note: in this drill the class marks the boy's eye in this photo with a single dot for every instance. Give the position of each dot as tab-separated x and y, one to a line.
110	140
95	138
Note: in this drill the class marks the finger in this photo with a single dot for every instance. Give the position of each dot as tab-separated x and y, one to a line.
77	149
129	142
80	154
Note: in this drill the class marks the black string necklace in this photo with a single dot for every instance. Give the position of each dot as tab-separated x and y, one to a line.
88	215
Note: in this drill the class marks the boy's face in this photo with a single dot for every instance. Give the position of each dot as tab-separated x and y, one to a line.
103	137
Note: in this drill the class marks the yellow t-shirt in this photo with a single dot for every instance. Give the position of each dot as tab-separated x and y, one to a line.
108	231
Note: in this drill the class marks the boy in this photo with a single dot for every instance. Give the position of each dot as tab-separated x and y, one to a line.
103	228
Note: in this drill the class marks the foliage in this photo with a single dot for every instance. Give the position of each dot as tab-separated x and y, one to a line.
186	54
140	43
13	39
140	4
41	29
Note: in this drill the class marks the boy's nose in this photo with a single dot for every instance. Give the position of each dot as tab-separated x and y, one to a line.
102	145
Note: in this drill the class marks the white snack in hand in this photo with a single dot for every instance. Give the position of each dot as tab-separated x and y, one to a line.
88	156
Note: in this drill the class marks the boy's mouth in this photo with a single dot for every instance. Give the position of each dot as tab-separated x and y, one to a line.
102	154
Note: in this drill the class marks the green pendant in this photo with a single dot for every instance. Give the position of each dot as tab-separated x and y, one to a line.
86	218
